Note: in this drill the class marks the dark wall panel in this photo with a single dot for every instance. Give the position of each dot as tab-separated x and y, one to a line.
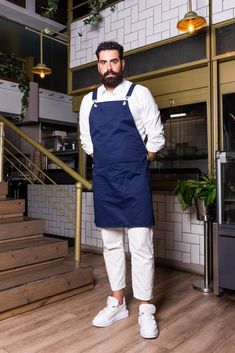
157	58
225	39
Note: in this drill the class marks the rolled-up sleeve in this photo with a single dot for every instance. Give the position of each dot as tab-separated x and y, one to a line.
152	122
85	135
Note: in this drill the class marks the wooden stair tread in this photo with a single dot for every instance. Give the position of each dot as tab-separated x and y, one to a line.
19	227
28	243
12	207
28	286
18	219
3	189
18	253
42	271
34	269
11	200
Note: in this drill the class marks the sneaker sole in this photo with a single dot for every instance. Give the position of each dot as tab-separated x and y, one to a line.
121	316
149	336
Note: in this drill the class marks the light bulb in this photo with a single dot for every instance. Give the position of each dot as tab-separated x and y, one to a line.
191	27
42	74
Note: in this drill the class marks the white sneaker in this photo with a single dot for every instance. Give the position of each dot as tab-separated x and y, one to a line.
111	313
147	322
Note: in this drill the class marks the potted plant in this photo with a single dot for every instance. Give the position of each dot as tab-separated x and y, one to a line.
203	191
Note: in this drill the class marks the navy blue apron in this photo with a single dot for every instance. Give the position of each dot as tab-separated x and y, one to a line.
121	177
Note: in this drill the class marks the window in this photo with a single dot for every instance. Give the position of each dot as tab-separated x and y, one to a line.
21	3
185	153
61	13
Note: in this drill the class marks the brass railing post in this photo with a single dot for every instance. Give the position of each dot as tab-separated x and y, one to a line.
78	223
1	149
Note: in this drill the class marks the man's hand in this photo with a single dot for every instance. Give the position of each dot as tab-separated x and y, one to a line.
152	156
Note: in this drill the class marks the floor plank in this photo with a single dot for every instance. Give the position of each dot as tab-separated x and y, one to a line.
227	347
189	321
210	335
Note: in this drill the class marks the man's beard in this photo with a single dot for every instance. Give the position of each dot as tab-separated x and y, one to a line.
112	81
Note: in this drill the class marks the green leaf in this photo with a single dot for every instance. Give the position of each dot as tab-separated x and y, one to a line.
204	189
13	70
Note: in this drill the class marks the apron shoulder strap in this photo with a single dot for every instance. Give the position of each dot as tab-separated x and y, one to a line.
94	97
130	90
129	93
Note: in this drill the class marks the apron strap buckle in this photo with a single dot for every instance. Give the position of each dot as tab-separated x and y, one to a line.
126	100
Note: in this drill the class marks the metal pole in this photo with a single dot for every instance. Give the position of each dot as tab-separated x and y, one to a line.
1	150
189	5
78	224
41	46
204	285
207	257
47	36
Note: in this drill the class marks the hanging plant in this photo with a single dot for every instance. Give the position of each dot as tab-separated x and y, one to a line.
11	69
50	10
95	7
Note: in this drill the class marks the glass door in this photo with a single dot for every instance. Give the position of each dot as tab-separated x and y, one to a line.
228	111
225	172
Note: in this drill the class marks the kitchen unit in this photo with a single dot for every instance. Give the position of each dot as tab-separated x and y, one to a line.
63	142
49	118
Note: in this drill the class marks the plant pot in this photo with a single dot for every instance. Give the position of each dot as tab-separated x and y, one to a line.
204	213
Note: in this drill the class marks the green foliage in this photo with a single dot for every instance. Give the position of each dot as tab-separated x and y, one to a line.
203	189
50	10
12	69
96	6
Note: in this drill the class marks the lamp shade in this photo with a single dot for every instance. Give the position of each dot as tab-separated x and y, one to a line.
41	69
191	22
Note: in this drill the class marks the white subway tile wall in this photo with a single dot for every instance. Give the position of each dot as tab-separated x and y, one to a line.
136	23
178	235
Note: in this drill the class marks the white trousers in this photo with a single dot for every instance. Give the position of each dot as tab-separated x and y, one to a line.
142	259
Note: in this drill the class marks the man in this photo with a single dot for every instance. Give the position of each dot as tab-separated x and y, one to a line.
121	129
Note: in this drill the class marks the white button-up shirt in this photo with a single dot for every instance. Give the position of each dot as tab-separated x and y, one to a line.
144	110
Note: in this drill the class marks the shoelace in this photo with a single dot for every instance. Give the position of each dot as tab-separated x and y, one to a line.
147	317
110	309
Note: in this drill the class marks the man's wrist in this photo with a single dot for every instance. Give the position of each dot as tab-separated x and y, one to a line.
152	156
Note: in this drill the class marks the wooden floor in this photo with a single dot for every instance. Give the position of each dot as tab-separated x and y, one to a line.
189	321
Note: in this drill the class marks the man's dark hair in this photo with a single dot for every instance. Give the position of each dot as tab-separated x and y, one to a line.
110	45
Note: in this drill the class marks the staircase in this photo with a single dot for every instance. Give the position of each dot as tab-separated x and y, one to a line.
34	269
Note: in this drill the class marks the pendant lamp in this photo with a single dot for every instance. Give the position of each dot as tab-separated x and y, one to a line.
191	21
41	69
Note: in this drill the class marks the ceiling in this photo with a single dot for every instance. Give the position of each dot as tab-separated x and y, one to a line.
31	19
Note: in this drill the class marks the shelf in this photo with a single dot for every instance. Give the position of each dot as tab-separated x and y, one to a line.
183	158
65	153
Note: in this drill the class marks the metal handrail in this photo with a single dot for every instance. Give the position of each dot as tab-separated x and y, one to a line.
85	183
40	182
66	194
80	181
